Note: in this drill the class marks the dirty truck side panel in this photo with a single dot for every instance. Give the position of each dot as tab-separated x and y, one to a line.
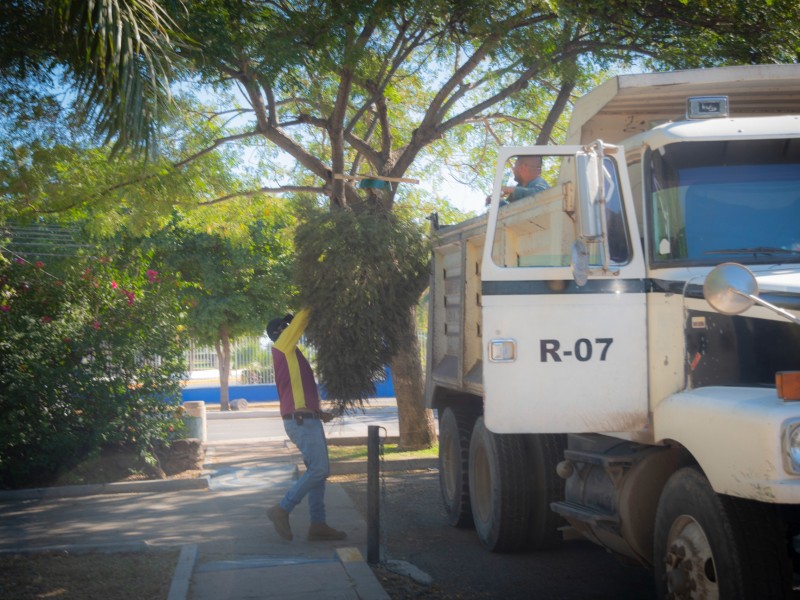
454	336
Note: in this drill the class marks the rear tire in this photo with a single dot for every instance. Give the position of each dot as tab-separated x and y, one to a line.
512	481
455	430
714	546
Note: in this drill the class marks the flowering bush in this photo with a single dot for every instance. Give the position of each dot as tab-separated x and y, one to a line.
90	356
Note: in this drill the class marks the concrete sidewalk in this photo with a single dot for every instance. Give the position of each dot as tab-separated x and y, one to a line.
229	549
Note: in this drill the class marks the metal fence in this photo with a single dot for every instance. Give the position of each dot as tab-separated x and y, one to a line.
251	361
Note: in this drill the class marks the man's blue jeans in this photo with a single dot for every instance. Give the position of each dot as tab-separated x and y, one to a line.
310	440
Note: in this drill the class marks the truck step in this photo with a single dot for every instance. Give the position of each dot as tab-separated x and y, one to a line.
585	514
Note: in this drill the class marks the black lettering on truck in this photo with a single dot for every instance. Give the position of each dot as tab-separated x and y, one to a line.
583	350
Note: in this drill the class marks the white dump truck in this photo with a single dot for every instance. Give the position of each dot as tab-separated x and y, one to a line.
619	355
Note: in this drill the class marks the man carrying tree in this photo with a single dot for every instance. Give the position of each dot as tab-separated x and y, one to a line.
302	420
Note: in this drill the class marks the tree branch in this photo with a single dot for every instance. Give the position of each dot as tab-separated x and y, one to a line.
268	190
567	85
217	143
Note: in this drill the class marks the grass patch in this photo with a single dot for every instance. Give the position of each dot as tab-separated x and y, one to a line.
390	452
121	576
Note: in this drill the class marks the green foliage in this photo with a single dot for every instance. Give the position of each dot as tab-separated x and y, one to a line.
49	166
235	264
90	356
698	33
359	272
119	54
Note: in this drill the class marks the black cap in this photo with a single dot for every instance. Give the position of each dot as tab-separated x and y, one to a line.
276	326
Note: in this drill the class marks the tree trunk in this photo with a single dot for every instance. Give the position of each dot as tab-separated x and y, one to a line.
417	428
223	347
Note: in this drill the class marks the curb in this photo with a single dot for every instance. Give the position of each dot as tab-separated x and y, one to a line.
359	467
182	576
364	580
342	467
99	489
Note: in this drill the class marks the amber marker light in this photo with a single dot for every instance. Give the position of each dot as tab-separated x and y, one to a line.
787	384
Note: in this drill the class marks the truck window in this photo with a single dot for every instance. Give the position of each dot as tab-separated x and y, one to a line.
534	231
713	202
529	227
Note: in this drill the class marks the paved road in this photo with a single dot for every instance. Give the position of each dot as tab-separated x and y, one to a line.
264	422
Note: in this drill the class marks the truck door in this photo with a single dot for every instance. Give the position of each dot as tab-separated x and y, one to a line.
563	300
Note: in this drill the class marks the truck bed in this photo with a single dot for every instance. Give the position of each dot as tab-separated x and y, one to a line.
454	324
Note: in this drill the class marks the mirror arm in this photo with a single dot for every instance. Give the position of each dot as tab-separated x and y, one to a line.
764	303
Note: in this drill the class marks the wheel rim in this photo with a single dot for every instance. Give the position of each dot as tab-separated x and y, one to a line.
690	570
481	491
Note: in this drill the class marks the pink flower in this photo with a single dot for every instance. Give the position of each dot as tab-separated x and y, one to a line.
152	275
19	260
114	285
131	296
39	264
96	324
46	319
5	308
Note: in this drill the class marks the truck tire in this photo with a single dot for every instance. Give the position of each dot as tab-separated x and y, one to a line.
714	546
545	451
499	488
455	429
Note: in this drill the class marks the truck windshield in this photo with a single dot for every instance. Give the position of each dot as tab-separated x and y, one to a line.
713	202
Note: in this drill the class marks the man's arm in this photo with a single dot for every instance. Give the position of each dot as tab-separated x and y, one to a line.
290	336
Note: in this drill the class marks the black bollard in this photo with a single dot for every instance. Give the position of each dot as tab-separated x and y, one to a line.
373	495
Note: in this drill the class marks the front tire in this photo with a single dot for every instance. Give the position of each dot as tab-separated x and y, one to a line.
717	547
455	429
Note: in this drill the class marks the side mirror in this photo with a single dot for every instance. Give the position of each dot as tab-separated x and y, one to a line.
731	289
589	168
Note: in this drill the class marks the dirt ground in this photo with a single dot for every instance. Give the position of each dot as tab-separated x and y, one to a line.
415	529
95	576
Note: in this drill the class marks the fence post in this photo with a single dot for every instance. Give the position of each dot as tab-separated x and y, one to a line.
373	495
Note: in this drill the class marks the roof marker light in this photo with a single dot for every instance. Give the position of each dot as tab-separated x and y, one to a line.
706	107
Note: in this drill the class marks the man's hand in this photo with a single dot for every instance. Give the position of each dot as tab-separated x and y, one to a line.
325	417
504	192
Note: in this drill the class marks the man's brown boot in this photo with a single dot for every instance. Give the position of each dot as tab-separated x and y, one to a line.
280	519
322	532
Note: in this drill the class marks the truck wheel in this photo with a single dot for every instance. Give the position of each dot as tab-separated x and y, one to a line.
717	547
455	429
499	488
544	453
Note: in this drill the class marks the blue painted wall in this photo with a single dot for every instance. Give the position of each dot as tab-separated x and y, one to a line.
259	392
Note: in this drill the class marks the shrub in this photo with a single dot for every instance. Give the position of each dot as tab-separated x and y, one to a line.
90	357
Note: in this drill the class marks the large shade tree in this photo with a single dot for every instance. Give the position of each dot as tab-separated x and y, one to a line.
335	89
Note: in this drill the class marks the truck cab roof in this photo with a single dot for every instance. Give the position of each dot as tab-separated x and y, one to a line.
627	105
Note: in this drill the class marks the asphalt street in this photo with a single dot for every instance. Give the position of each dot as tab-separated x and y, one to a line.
263	422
